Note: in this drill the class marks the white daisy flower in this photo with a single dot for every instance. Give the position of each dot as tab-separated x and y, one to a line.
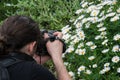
66	29
115	18
82	51
75	22
81	35
84	4
76	40
98	37
115	48
105	50
110	14
71	74
102	13
94	65
118	10
66	63
79	11
70	49
80	45
80	17
79	25
94	19
81	68
114	2
88	71
105	42
87	25
90	8
66	36
101	19
91	58
115	59
90	43
118	70
77	51
103	33
102	72
93	47
107	2
94	13
84	20
102	29
100	25
8	4
116	37
107	69
106	64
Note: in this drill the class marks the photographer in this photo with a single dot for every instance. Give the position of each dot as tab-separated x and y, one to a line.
19	38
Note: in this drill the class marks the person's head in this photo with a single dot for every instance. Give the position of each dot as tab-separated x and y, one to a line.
18	33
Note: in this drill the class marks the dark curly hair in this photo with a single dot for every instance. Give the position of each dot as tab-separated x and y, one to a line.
16	32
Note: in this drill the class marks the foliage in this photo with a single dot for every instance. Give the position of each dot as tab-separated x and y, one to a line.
93	41
50	14
5	6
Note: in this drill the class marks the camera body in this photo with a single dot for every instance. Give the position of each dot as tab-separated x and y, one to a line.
41	47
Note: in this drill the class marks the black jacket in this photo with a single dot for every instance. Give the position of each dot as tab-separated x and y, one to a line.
28	69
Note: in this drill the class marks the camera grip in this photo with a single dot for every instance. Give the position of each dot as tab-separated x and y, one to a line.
41	47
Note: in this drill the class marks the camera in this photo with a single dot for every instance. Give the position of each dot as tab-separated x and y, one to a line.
41	47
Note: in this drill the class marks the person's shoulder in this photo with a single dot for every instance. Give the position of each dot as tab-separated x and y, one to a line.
40	72
21	70
32	70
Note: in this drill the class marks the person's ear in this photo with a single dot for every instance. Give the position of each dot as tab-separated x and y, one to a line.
31	46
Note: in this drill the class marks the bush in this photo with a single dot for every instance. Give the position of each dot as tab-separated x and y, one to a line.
5	7
50	14
93	41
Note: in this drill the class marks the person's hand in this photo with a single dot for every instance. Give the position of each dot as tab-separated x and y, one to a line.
55	48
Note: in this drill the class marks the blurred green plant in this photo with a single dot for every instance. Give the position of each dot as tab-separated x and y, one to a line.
50	14
5	7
